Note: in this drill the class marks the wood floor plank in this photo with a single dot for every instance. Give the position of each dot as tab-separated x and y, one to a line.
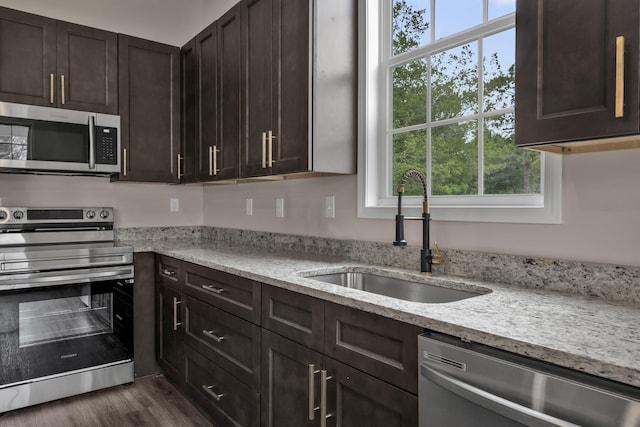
148	402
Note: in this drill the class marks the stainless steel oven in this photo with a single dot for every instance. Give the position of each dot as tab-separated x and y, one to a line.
66	304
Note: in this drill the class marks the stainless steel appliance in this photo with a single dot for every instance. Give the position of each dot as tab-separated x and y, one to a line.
44	139
66	304
465	384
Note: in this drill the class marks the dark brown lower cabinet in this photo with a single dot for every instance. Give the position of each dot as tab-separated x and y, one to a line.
286	400
170	350
224	399
357	399
292	391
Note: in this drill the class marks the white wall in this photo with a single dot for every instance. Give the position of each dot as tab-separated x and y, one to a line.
136	205
601	214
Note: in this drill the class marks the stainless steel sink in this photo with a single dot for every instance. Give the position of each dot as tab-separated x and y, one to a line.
396	288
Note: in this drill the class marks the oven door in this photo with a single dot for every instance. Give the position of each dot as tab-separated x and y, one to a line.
50	330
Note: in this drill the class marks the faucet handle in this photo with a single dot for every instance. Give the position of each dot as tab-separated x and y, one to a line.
438	258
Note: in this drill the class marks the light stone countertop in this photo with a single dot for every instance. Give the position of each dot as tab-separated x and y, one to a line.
584	333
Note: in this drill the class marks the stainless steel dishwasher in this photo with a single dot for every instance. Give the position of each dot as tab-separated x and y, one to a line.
466	384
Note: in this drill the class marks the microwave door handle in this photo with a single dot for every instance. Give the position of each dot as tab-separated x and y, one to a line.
491	402
92	142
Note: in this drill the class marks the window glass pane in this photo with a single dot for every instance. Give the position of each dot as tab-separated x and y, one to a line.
5	134
409	152
410	94
5	151
507	168
499	70
454	82
410	24
453	16
498	8
454	154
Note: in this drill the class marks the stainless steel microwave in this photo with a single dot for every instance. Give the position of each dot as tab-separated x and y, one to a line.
43	139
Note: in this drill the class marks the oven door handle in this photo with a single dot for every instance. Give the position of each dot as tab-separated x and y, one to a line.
491	402
92	142
69	277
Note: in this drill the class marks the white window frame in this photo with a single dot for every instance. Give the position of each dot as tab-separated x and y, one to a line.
373	167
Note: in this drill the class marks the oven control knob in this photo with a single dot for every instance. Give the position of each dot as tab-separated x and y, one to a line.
3	215
91	214
18	214
104	214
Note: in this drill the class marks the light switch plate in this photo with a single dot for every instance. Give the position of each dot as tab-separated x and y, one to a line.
330	207
249	206
174	205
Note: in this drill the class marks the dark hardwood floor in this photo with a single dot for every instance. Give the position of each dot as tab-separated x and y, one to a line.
150	401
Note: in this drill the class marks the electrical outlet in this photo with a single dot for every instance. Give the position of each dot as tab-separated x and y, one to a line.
330	207
249	207
280	207
174	205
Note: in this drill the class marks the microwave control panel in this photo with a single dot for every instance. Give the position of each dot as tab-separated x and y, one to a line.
106	145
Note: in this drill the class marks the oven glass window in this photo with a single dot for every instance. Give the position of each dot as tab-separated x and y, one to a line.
58	319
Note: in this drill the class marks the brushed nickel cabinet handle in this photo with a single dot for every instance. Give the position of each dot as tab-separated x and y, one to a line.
210	161
215	160
213	289
323	398
270	139
62	89
52	99
213	336
175	313
312	390
180	175
209	390
124	161
264	150
619	105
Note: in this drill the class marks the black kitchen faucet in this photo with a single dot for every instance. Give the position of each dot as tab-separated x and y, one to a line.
427	256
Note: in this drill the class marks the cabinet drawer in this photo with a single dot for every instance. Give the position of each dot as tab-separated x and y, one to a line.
168	271
382	347
227	401
229	341
230	293
293	315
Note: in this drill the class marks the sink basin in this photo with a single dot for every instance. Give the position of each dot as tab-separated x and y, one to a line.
394	287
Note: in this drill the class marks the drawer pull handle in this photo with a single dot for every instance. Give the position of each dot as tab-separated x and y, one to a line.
175	313
213	289
119	317
213	336
323	398
312	390
619	103
168	272
209	390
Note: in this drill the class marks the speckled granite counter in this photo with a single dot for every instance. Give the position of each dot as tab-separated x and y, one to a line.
584	333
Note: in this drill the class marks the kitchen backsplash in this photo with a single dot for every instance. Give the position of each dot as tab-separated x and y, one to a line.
612	282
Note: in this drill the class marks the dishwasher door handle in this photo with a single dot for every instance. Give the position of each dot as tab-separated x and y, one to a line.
491	402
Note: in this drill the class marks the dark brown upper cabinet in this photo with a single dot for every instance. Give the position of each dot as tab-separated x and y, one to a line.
286	129
149	75
577	75
58	64
189	111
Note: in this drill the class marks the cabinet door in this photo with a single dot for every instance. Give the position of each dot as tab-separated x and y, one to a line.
28	52
87	68
170	350
291	85
226	162
144	342
290	385
149	75
566	69
189	110
207	45
357	399
257	68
